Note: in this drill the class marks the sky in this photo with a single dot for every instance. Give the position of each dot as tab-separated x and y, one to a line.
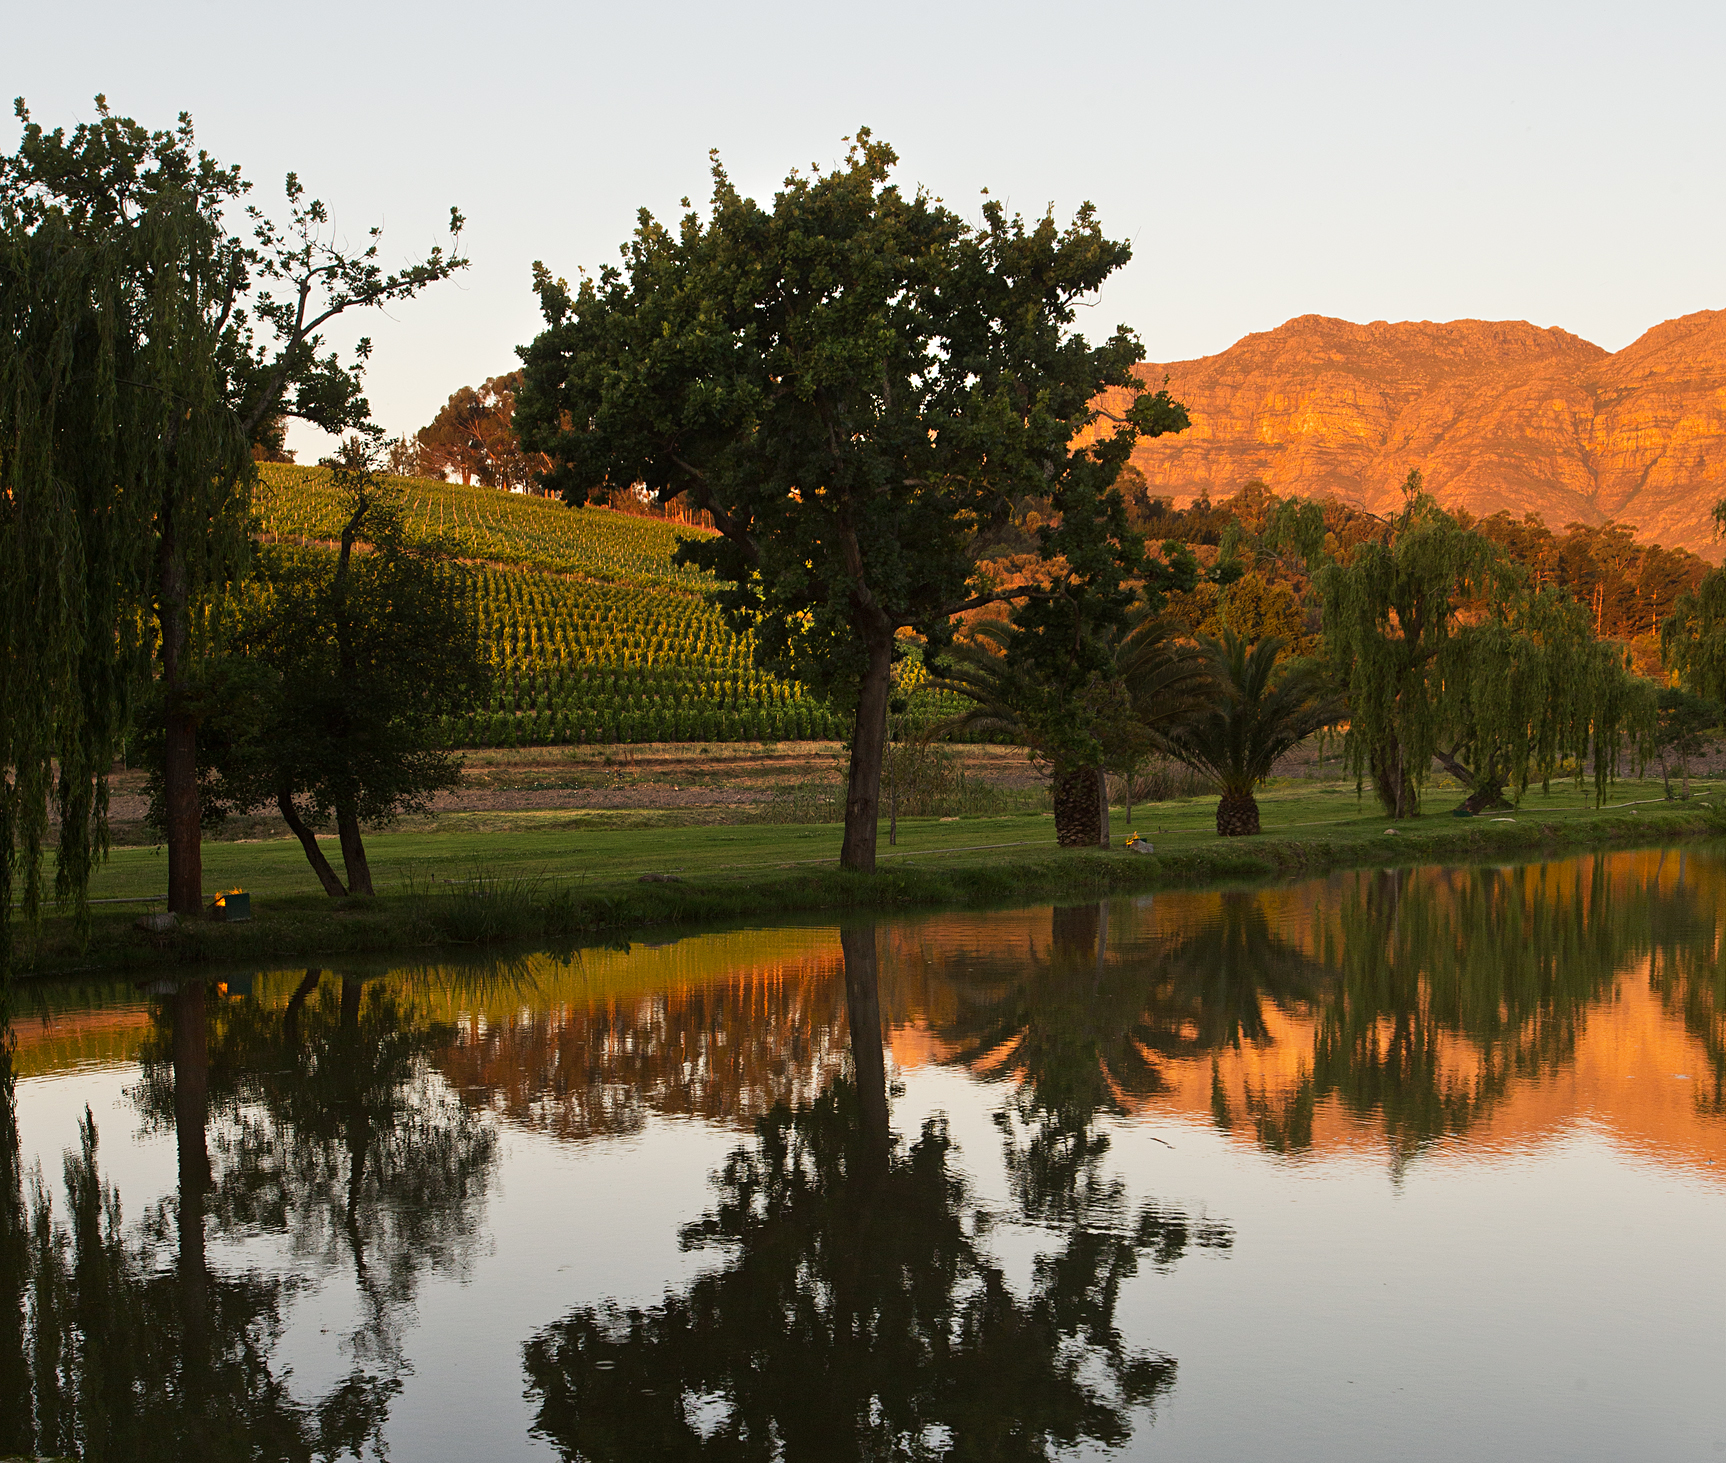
1553	163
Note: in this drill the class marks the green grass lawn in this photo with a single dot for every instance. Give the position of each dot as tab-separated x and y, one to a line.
566	848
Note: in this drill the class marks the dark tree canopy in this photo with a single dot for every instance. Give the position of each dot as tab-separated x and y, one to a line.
1693	636
853	383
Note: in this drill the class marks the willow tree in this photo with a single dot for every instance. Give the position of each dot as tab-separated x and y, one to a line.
854	383
144	348
1446	654
1693	636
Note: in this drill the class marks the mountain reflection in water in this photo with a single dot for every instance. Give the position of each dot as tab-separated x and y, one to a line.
860	1283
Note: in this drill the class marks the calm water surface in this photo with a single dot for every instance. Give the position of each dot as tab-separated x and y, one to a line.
1413	1164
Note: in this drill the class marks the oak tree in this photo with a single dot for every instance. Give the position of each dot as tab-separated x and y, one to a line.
853	382
342	667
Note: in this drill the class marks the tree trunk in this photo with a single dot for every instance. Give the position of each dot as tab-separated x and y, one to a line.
1486	800
353	850
1391	781
1079	803
868	746
1487	788
1237	815
868	1053
1102	808
1074	930
358	1129
180	743
309	842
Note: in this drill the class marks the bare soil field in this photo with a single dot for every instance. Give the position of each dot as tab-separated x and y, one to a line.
659	782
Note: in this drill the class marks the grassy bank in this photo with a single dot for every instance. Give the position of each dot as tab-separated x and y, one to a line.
559	879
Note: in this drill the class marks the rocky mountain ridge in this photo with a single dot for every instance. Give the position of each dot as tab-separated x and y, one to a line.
1496	415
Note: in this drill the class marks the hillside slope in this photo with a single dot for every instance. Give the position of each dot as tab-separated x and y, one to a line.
1495	414
595	635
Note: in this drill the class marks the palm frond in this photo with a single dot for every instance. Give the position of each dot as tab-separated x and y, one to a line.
1265	713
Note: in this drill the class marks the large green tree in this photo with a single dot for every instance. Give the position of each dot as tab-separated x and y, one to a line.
853	384
1693	636
146	345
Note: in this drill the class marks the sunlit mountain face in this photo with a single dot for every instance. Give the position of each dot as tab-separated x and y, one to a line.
1284	1171
1498	415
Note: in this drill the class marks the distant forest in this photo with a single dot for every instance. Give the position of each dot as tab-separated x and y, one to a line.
1628	586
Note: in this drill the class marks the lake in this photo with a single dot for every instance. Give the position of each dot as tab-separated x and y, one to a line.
1410	1163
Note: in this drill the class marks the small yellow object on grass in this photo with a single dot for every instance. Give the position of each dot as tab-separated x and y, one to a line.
232	906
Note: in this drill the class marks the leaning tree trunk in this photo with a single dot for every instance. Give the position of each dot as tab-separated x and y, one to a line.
180	740
1080	808
309	842
1486	786
1237	815
868	748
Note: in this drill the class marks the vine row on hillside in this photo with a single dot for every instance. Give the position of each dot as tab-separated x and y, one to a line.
581	663
485	523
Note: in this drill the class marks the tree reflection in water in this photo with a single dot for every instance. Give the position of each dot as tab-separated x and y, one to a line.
1449	984
857	1313
327	1128
1426	993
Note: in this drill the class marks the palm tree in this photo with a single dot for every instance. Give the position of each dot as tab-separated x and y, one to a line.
1237	742
1156	681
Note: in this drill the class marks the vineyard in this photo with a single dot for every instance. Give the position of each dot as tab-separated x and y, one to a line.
593	634
579	662
294	504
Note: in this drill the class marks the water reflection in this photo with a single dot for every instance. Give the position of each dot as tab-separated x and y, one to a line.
865	1287
321	1124
856	1312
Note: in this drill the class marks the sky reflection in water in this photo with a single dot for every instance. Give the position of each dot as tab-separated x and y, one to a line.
1409	1163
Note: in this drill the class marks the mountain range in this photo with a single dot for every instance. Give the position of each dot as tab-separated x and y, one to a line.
1496	414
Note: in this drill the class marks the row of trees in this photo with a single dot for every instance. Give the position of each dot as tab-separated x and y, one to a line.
871	398
878	402
1628	587
1436	648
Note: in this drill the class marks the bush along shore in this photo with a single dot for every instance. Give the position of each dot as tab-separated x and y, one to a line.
522	907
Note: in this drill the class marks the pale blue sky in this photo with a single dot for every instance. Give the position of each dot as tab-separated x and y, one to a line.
1555	163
